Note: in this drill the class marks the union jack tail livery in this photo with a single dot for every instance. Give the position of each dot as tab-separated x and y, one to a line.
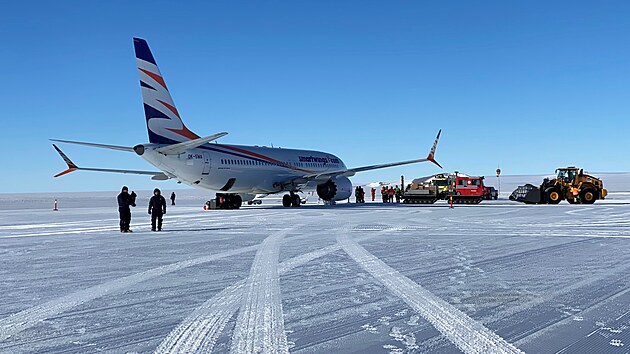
164	124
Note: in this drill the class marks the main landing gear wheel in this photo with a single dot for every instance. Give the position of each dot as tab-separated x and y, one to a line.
286	200
291	200
295	200
237	201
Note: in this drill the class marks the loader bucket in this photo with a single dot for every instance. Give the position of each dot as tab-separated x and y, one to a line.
528	194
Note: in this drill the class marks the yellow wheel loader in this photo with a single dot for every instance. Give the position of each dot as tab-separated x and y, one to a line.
571	184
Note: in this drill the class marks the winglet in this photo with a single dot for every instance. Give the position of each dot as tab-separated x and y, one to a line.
431	156
71	166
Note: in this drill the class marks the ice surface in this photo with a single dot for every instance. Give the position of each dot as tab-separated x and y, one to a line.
349	278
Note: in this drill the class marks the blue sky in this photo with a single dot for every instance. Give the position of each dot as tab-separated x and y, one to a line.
527	85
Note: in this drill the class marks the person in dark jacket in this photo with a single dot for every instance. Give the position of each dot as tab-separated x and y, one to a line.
157	208
125	200
173	198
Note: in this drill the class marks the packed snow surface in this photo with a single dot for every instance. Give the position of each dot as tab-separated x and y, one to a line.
499	277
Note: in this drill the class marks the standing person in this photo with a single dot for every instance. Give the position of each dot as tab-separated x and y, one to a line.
125	200
398	194
373	193
384	194
391	194
173	198
157	208
357	194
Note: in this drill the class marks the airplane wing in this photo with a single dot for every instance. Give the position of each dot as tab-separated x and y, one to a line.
178	148
352	171
102	146
73	167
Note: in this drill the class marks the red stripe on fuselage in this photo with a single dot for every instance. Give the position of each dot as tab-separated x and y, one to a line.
263	157
155	77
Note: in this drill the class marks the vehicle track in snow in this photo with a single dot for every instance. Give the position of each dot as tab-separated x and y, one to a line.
526	312
28	318
493	264
438	277
467	334
347	327
199	332
260	323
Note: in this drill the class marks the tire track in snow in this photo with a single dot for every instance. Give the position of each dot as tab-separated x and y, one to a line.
467	334
199	332
28	318
260	323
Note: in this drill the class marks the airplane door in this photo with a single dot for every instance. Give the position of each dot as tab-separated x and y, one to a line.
206	164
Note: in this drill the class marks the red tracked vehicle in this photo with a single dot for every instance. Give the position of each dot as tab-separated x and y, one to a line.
463	189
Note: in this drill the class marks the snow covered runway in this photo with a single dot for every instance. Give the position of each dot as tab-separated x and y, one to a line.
347	279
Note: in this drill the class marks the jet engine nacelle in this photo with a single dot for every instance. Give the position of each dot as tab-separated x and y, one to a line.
337	188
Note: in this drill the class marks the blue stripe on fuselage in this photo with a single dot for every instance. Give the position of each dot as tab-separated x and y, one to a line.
285	165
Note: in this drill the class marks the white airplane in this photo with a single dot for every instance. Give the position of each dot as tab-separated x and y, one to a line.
238	172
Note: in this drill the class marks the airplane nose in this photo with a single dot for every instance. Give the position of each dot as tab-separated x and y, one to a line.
139	149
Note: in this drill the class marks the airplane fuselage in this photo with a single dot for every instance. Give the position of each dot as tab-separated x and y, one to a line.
242	169
237	172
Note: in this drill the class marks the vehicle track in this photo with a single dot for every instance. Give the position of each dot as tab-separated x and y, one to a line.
200	331
527	310
28	318
498	262
260	324
435	277
467	334
594	304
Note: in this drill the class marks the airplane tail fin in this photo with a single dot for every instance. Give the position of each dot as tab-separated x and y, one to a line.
431	156
163	121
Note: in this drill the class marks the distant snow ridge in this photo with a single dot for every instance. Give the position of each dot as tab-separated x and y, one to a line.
260	323
467	334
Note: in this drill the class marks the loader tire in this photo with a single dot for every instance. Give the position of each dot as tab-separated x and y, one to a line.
588	196
553	195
